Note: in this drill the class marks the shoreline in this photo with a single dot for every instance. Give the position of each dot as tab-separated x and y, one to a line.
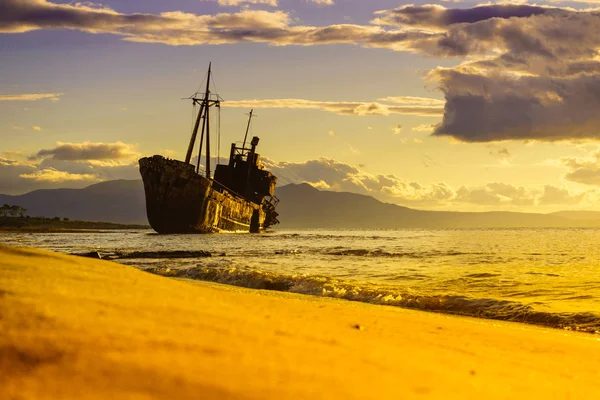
91	329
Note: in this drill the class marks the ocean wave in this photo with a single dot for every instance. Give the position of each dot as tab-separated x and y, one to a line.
369	293
383	253
159	254
350	235
482	275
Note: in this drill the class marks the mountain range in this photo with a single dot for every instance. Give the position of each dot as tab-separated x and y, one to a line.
301	206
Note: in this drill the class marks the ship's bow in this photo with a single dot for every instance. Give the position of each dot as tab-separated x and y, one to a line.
174	194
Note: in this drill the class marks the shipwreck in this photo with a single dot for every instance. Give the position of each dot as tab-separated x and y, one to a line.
181	198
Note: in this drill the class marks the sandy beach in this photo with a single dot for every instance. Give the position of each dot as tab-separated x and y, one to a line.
77	328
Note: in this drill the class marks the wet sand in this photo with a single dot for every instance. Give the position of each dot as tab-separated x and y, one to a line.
78	328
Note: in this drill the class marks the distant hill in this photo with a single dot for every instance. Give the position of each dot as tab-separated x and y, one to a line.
301	206
579	215
120	201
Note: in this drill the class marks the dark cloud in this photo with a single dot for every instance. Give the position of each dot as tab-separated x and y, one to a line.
436	16
25	15
88	151
485	108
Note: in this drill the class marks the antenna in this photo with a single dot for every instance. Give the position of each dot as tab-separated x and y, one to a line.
247	128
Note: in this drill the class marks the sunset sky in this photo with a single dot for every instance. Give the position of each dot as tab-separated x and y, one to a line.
453	106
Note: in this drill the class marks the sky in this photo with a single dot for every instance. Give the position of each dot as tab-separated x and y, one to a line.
459	105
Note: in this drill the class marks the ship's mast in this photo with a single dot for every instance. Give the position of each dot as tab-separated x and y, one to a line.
204	115
207	107
247	128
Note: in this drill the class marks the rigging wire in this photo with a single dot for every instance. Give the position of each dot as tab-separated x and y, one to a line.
193	116
219	135
199	160
201	85
215	91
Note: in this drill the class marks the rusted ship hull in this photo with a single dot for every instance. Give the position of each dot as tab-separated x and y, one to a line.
179	200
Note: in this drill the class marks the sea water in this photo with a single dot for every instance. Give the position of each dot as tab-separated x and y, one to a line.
541	276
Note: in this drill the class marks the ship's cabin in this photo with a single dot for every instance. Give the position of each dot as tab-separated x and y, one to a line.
244	175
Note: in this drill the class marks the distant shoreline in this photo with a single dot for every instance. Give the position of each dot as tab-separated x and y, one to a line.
60	230
58	225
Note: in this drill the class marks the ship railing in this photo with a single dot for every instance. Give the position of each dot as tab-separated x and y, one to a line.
240	149
273	200
219	186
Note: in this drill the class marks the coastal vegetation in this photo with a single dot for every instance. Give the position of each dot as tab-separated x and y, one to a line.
12	211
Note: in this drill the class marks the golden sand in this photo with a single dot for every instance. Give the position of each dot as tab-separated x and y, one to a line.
77	328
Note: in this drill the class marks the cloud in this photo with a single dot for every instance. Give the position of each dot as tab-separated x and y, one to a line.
397	129
495	107
531	72
272	3
29	97
423	128
497	194
499	152
12	153
342	108
322	2
89	151
438	17
102	169
71	165
10	170
55	176
553	195
180	28
36	128
334	175
409	100
585	171
352	149
17	177
528	72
